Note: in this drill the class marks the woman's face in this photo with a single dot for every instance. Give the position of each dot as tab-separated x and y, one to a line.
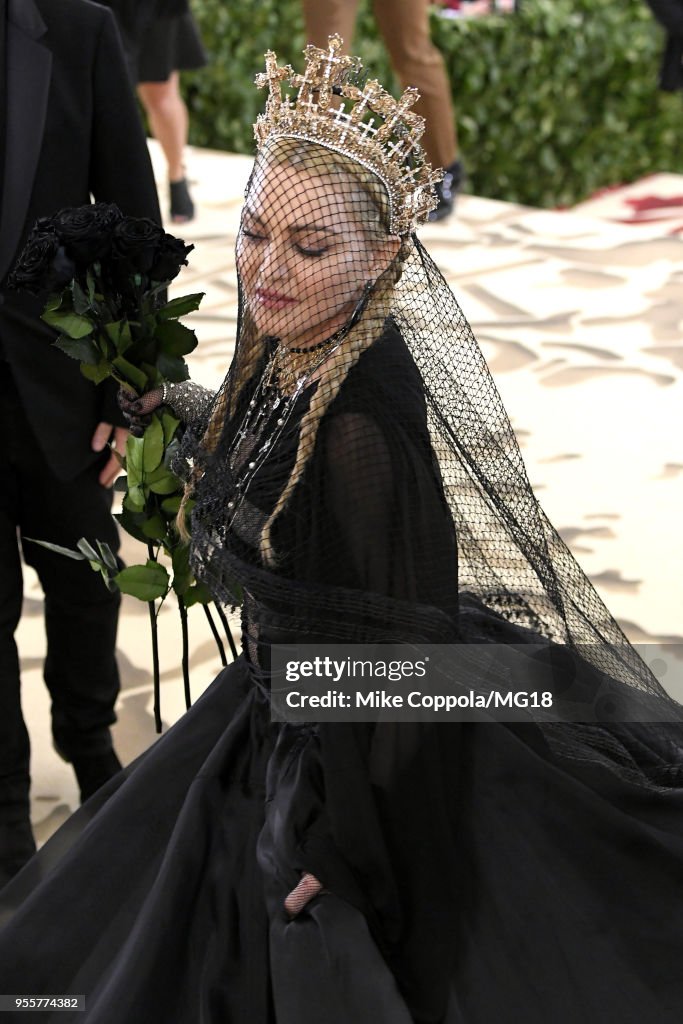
302	257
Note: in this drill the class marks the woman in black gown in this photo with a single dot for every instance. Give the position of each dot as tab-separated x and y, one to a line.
356	480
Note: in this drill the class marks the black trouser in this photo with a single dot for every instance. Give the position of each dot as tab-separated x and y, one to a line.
80	613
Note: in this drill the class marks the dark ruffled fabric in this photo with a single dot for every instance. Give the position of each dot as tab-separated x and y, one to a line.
475	873
487	881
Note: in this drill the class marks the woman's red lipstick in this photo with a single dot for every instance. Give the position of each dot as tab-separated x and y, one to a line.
272	300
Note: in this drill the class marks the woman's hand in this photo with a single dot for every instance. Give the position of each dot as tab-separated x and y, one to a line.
138	411
306	890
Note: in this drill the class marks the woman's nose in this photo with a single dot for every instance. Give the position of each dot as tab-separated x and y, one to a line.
273	262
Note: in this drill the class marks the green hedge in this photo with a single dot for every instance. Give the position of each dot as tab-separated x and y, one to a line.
552	103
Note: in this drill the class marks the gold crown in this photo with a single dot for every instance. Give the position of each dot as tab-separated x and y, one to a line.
390	149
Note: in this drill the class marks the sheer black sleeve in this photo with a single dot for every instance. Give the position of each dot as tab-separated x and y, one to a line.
370	515
360	489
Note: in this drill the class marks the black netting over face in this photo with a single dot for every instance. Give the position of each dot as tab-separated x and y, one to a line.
358	478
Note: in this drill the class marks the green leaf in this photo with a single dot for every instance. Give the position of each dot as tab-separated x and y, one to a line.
109	582
87	550
57	548
198	594
166	485
97	373
113	331
119	333
182	574
172	368
108	556
131	373
135	447
71	324
84	349
160	473
171	506
80	299
169	424
129	521
125	337
176	339
152	446
135	499
181	306
146	582
155	527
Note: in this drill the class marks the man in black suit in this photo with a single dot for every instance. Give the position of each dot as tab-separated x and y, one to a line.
69	130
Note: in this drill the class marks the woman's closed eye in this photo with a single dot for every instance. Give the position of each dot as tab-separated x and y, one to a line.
305	250
311	250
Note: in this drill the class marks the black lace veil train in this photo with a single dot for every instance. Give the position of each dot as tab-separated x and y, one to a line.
358	478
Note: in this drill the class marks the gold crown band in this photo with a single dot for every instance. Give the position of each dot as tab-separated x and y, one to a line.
390	150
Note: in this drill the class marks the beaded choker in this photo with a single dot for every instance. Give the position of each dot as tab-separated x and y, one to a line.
288	365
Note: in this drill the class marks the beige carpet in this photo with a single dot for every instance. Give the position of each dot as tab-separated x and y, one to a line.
580	318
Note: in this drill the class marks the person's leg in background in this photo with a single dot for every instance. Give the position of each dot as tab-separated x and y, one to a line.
404	26
16	837
81	615
81	618
169	123
323	18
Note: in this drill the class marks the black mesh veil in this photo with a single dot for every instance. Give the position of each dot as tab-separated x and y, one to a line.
358	479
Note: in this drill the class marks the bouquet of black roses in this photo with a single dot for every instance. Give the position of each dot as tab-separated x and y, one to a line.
105	277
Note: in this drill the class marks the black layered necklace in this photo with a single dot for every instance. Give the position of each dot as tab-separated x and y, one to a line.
287	373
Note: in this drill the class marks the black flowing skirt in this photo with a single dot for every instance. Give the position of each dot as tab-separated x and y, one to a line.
161	900
167	45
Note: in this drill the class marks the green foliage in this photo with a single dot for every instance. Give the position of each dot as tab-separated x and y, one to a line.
146	582
95	331
552	103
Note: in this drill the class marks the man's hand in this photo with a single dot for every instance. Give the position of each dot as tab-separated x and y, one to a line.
100	439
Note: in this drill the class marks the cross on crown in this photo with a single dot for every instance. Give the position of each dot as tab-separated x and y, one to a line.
369	126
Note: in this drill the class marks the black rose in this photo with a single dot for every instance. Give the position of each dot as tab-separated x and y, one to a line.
135	245
62	271
171	256
86	231
33	270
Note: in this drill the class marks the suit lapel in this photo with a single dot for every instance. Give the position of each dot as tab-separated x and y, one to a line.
29	65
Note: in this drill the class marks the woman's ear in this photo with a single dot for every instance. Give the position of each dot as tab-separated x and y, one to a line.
384	254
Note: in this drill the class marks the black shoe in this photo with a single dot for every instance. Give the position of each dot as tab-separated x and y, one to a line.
447	191
182	207
93	770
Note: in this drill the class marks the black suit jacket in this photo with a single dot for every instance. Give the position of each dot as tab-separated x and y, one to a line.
670	14
73	131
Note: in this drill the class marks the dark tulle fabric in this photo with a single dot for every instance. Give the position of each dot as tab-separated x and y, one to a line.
472	875
161	900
